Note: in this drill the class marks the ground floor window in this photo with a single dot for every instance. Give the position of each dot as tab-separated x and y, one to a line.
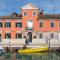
52	35
8	35
41	35
34	37
18	35
24	37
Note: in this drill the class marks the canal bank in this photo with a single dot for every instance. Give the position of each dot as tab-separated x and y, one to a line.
53	47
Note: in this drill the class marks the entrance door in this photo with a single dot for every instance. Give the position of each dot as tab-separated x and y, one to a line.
30	36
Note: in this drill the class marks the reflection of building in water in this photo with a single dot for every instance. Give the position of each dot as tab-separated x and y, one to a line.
38	56
38	26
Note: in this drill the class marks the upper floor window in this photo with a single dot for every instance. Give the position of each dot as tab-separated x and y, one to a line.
52	24
41	24
34	13
59	24
25	13
18	24
18	35
1	25
52	35
41	35
29	24
8	24
8	35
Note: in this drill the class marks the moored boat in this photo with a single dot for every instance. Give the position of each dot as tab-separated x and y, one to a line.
33	50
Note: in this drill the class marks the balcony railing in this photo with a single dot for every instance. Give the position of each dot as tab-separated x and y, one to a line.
27	28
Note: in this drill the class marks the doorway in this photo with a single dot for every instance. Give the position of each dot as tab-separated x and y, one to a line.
30	36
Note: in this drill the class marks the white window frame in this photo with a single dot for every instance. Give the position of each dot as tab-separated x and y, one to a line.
32	23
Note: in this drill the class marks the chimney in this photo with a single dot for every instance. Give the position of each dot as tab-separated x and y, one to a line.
42	12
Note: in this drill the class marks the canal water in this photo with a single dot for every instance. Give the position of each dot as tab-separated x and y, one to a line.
31	56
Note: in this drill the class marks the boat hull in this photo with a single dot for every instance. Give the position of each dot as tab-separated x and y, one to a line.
31	50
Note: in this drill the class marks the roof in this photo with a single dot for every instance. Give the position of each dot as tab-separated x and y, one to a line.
12	16
29	6
9	17
49	16
40	16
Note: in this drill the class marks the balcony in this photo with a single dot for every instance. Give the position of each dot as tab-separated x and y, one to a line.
29	28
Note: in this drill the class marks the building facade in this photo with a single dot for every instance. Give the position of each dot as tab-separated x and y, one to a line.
38	27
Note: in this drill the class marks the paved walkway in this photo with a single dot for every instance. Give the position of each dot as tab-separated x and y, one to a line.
30	45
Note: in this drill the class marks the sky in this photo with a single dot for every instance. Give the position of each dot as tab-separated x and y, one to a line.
9	6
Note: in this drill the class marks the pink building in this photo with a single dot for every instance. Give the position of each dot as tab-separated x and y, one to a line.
39	27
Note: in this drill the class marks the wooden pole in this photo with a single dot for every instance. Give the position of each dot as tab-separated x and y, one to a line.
49	44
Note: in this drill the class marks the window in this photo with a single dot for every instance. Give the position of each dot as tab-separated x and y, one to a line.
41	36
18	35
59	24
25	13
29	24
18	24
34	13
24	37
41	24
1	24
52	24
8	35
52	35
34	36
8	24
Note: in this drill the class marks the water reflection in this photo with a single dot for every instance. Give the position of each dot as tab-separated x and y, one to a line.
31	56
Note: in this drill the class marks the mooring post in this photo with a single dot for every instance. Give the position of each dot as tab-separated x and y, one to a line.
49	45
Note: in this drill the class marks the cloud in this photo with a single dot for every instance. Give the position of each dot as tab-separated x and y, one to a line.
7	6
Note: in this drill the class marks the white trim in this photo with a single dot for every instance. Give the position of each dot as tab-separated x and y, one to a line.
18	32
8	31
29	6
30	25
